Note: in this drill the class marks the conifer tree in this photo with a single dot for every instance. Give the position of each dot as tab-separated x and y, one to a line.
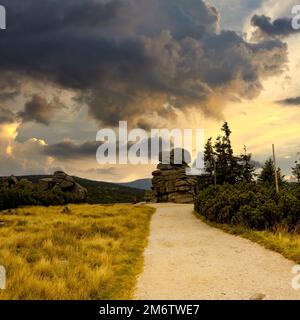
209	158
247	168
267	174
227	165
296	171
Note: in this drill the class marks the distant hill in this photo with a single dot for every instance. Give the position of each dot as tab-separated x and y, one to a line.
143	184
101	192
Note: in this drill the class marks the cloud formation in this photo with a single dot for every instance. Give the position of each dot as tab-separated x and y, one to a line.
295	101
38	109
6	116
134	59
70	150
281	27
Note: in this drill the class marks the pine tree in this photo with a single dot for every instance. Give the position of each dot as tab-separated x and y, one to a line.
267	175
207	178
227	165
296	171
246	167
221	163
209	158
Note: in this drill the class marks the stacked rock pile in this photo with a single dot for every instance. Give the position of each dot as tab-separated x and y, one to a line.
170	182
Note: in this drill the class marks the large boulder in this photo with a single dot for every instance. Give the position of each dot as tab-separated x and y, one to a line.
24	184
46	184
150	196
64	183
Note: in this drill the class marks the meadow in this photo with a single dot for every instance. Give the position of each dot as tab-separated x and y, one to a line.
280	240
89	252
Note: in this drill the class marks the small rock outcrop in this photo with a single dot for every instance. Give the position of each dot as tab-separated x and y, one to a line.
170	182
60	182
64	183
13	183
9	182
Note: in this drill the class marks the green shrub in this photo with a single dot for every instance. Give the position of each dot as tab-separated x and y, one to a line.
251	205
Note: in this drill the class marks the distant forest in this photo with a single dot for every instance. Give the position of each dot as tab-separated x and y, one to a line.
98	192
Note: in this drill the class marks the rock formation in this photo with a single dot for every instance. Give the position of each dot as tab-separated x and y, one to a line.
170	182
60	182
64	183
9	182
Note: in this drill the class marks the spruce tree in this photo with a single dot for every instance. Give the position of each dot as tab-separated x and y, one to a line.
207	178
267	174
227	165
296	171
209	158
220	161
246	167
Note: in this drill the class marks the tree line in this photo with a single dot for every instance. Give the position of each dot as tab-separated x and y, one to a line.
232	193
222	166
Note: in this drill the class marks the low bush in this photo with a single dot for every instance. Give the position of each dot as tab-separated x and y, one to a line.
14	198
251	205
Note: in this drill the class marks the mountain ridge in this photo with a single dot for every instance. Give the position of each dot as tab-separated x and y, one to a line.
100	191
142	184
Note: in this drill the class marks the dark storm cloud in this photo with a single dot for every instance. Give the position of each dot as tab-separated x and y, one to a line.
9	86
295	101
38	109
71	150
68	150
34	16
128	58
281	27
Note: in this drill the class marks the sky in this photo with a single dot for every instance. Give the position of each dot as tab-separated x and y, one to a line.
69	68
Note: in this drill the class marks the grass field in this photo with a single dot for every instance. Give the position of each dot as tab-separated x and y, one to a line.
74	252
281	241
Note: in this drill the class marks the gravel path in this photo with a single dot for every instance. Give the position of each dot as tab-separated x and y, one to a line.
187	259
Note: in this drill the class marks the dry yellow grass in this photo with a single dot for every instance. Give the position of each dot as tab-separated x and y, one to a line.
281	241
86	252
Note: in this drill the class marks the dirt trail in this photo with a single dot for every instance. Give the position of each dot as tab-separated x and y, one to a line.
187	259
